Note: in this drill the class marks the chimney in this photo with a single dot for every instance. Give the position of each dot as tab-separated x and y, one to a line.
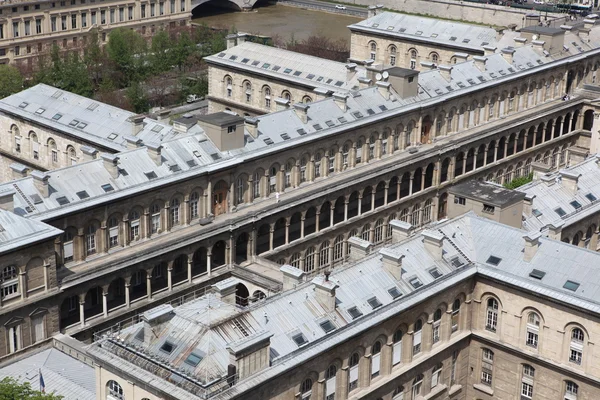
433	242
282	104
532	243
350	71
584	34
446	72
589	23
133	142
555	229
137	124
428	65
400	230
539	169
154	151
480	62
385	89
153	318
250	355
251	125
528	204
508	55
231	40
225	290
538	45
364	83
341	99
241	38
462	56
569	180
111	163
548	179
18	170
292	276
488	50
301	110
392	262
163	115
40	181
321	93
325	292
7	200
520	41
359	248
89	153
372	11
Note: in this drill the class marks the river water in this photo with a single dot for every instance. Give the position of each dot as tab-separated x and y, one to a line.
280	21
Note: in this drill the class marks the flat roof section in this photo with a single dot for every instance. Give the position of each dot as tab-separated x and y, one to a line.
487	192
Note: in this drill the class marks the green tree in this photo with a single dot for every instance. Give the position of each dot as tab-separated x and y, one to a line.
127	49
10	389
75	76
11	81
162	54
183	50
94	57
137	98
520	181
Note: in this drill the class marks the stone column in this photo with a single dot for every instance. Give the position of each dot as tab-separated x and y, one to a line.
209	261
127	291
271	231
410	186
189	267
170	275
23	283
342	382
485	155
186	210
302	219
594	241
79	245
81	309
103	239
360	196
287	230
317	216
386	188
331	214
149	284
386	358
373	198
105	301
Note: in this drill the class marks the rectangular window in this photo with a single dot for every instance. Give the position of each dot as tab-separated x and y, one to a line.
103	17
161	8
526	390
121	14
486	377
459	200
14	338
1	31
353	378
15	29
73	21
27	28
112	16
143	11
130	13
84	20
172	7
38	26
152	10
488	209
113	236
63	23
93	17
182	5
90	240
68	251
39	332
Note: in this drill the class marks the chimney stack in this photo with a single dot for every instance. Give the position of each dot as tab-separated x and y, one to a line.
372	11
225	289
433	242
282	104
446	72
89	153
488	50
321	93
341	99
508	55
350	71
532	243
154	151
520	41
364	83
249	355
301	110
292	276
400	230
231	40
137	124
539	169
528	204
133	142
555	229
18	170
385	89
163	115
111	163
241	38
538	45
392	262
569	180
480	62
359	248
7	200
252	126
40	181
325	291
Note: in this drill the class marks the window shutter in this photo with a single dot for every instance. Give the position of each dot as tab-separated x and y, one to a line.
397	353
417	338
578	346
135	222
354	374
38	326
375	363
113	231
36	146
68	247
434	378
330	386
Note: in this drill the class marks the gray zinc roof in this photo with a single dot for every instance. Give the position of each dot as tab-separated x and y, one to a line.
16	231
487	192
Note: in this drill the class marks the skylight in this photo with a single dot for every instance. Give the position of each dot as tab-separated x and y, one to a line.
370	111
174	168
301	132
157	128
107	187
330	123
82	195
570	285
297	73
150	175
92	106
245	60
197	153
73	123
310	76
383	108
23	104
374	302
590	197
357	114
287	70
354	312
493	260
537	274
112	136
215	156
233	57
191	163
560	212
82	125
266	65
285	136
62	200
36	198
536	212
318	127
327	326
57	116
255	63
193	359
167	347
415	282
394	292
276	68
435	273
575	204
268	141
40	110
299	339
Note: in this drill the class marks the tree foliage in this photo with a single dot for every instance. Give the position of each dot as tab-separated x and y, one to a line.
520	181
11	81
127	49
10	389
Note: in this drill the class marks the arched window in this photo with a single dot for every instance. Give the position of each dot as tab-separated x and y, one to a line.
17	137
295	260
134	225
413	58
228	86
72	155
35	146
318	158
307	99
398	393
194	199
437	319
397	347
309	260
306	389
330	382
359	149
571	390
353	372
491	320
576	346
487	366
378	237
256	185
248	91
338	248
324	254
434	57
90	239
373	50
393	52
527	381
436	374
533	329
303	163
455	315
114	391
417	386
10	282
174	212
155	217
286	95
417	337
267	96
113	232
366	232
375	359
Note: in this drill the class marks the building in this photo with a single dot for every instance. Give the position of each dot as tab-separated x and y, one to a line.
30	28
160	220
469	309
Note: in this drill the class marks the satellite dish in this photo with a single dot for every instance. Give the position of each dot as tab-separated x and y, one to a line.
386	74
378	76
534	37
